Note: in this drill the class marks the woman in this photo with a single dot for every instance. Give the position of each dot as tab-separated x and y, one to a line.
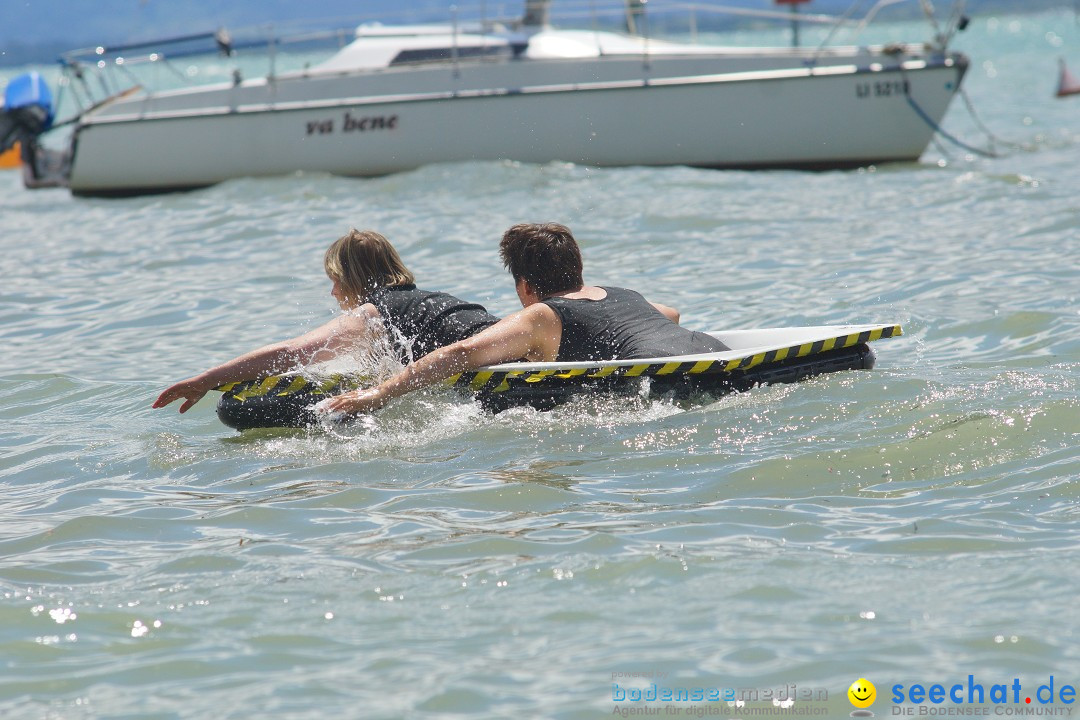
378	293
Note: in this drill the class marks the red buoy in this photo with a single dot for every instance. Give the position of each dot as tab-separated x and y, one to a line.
1068	84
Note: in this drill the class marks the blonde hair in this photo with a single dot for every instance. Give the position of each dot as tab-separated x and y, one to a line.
363	260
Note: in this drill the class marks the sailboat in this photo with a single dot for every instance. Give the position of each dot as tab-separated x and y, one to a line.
394	98
1068	84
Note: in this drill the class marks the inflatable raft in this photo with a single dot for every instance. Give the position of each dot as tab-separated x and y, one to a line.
755	357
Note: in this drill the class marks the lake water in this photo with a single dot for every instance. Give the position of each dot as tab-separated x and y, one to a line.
914	524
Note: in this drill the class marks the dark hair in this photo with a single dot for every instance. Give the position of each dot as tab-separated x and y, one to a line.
363	260
545	254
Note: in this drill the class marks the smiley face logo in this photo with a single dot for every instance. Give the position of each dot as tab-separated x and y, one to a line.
862	693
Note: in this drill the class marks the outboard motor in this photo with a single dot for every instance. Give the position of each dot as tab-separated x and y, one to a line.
26	113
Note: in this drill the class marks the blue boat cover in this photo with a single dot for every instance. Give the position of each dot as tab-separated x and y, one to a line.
29	89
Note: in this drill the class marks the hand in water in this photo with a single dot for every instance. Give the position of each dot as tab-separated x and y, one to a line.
354	402
191	390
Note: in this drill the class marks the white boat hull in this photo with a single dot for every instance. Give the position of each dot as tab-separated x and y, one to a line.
830	116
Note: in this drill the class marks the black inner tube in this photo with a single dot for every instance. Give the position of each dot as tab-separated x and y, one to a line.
296	409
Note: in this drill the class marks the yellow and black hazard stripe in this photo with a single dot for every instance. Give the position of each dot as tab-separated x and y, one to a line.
492	381
286	385
503	380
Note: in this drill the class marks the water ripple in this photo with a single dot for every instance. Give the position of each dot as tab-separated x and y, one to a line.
898	524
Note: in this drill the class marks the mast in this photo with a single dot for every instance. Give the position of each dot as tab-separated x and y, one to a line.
794	6
537	13
634	10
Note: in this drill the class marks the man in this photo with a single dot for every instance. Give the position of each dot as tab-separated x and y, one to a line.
563	320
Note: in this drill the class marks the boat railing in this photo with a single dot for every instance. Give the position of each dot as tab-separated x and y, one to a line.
97	73
679	17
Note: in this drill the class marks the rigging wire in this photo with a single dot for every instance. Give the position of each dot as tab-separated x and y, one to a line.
982	126
937	127
951	138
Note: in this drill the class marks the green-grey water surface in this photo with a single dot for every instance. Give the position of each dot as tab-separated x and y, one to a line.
917	523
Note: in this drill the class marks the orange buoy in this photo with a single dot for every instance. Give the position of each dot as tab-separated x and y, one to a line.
10	158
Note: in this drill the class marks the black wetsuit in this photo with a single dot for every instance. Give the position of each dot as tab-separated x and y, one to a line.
623	326
419	321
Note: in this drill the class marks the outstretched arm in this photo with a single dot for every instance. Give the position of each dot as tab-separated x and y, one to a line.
530	334
322	343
